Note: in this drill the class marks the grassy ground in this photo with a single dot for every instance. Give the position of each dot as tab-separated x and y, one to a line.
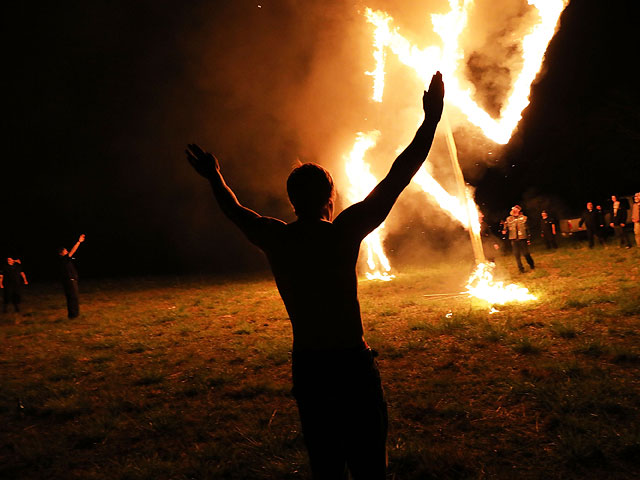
189	378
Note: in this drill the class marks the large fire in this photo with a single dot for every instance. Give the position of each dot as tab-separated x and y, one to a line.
481	285
449	58
358	170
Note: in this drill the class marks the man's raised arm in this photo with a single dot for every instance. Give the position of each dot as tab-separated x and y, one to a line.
77	244
207	165
371	212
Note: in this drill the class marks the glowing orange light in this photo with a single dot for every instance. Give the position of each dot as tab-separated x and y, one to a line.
481	285
448	58
362	182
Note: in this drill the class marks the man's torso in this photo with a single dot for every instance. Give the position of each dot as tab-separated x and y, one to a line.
517	227
314	265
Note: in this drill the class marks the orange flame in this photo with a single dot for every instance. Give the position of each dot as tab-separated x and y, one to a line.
482	286
362	182
447	59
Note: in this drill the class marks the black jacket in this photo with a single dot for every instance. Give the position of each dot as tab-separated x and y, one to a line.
592	219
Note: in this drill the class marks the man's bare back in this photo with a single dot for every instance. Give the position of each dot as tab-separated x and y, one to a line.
336	381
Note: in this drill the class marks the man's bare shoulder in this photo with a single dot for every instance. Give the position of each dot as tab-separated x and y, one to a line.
276	222
263	231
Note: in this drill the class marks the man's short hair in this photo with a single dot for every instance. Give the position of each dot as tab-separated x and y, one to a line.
310	187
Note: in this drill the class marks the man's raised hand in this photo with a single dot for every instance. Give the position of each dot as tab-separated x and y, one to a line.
203	162
433	99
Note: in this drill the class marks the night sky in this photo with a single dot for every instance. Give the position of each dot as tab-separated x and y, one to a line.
103	96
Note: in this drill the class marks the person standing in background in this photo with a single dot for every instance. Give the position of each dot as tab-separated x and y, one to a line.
635	217
600	231
618	220
11	280
548	230
593	221
69	277
518	230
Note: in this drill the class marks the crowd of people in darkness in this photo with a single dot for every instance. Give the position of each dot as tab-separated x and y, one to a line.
597	223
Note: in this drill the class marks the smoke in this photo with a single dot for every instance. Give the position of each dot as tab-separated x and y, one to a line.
120	91
493	58
492	45
286	82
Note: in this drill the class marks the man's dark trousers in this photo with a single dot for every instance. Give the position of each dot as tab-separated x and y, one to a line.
71	292
520	248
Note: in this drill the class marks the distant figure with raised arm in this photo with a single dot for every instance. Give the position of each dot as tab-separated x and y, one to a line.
69	277
336	381
12	278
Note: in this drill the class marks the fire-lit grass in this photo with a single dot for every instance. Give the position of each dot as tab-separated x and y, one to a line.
189	378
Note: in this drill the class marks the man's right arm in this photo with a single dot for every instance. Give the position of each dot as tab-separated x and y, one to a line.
368	214
75	247
207	166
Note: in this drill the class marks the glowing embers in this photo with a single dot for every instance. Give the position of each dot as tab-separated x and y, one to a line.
481	285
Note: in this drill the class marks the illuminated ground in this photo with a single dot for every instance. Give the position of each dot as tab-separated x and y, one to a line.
189	378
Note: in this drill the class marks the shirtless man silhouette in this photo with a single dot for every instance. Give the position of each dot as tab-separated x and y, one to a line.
313	259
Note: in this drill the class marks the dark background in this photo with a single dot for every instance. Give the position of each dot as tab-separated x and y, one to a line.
101	98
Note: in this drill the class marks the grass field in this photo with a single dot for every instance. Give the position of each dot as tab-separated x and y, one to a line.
185	378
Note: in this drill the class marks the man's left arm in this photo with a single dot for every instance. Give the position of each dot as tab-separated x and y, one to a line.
367	215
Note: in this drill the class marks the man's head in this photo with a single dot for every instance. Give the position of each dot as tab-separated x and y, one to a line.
515	210
544	214
311	191
10	261
63	251
589	206
614	199
636	197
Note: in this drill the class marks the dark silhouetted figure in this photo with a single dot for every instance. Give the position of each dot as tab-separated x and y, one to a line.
335	377
548	230
593	220
12	278
601	231
517	227
635	217
618	220
69	278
